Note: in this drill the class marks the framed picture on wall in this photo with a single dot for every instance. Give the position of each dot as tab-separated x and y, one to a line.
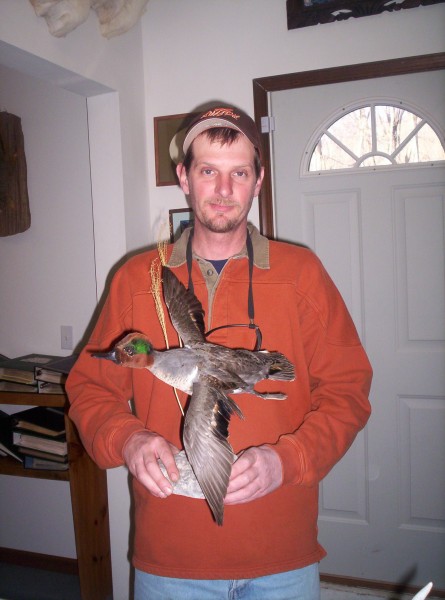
169	133
302	13
179	219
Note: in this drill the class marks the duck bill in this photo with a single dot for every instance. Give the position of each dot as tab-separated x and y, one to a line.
107	355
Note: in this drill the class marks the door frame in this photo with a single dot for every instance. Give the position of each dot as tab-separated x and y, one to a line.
276	83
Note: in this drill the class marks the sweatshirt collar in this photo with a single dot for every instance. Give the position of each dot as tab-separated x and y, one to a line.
259	242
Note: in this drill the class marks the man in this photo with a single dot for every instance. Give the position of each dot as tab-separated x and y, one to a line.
267	547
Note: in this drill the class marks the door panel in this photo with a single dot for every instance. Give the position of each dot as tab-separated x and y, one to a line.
381	236
332	229
419	222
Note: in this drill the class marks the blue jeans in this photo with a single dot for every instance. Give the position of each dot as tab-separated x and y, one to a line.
301	584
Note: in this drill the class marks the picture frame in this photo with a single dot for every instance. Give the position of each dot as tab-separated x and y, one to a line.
303	13
179	219
169	133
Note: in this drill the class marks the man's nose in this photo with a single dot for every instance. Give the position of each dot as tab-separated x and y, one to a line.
224	185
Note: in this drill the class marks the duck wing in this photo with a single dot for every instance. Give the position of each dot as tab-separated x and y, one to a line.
206	429
186	312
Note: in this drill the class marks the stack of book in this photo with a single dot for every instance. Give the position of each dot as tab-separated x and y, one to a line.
6	446
38	373
35	437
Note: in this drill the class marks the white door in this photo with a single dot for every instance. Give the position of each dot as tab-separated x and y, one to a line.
381	236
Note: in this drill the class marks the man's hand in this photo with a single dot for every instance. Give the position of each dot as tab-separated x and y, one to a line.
255	473
141	453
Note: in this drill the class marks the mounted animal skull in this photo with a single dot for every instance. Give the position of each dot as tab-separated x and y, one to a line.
115	16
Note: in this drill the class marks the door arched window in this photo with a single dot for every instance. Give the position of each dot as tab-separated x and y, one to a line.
376	135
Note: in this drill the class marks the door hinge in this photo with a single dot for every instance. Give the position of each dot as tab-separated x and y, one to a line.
267	124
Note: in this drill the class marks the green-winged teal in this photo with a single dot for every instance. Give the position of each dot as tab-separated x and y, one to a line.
208	372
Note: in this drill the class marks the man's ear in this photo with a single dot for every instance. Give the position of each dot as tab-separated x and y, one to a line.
259	183
182	177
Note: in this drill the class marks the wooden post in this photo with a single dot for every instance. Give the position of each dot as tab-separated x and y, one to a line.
89	500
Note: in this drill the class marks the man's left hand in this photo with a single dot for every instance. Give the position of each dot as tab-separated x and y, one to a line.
255	473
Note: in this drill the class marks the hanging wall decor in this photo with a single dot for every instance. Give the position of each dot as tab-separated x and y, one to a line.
303	13
179	219
15	216
115	16
169	134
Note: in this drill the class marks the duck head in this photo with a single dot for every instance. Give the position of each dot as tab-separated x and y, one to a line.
134	350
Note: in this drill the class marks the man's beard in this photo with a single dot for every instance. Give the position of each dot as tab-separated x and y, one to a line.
221	223
218	225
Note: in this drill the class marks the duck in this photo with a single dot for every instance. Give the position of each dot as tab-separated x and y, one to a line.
208	373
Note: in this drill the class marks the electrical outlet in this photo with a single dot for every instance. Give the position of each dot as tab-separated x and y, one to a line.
66	337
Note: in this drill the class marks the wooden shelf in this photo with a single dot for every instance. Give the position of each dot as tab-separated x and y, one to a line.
10	466
89	500
27	399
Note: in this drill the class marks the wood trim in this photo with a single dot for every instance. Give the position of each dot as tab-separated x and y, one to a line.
35	560
69	566
265	207
395	588
264	85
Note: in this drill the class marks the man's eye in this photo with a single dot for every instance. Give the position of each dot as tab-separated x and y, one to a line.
207	171
240	174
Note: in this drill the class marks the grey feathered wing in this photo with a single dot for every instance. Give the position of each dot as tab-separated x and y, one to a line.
186	312
208	415
205	442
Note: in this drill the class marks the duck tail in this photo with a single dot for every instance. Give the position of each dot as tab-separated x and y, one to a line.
227	407
280	368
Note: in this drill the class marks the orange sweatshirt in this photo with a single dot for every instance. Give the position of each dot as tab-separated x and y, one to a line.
302	315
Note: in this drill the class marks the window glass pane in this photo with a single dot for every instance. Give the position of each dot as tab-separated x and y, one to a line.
393	125
354	131
424	147
328	155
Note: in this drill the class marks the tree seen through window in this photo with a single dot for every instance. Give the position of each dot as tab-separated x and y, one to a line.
376	135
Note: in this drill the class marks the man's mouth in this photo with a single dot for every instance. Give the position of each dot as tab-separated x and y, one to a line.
222	207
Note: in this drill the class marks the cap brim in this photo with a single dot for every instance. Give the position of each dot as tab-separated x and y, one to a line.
203	126
175	149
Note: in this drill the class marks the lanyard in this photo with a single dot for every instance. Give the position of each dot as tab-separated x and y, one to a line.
250	303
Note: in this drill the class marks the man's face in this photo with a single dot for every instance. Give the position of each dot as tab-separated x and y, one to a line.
221	182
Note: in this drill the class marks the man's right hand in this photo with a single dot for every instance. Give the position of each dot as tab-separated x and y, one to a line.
141	453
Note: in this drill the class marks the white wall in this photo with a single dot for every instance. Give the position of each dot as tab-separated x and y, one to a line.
48	279
87	63
107	77
183	54
47	272
213	50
